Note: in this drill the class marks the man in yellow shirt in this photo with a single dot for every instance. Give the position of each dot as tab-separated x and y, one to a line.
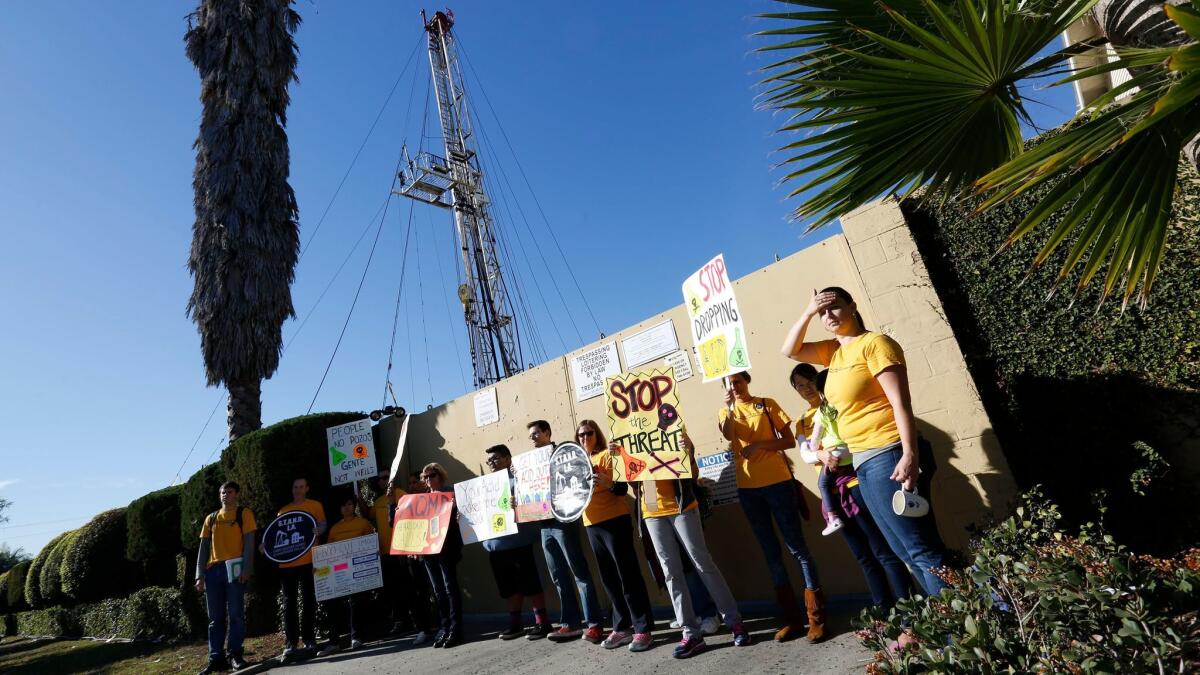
296	577
223	567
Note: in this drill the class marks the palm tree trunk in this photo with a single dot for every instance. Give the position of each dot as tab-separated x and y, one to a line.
245	407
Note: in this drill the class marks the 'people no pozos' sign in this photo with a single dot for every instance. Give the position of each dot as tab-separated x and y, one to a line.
351	452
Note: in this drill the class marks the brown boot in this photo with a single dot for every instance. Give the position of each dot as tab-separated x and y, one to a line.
793	619
815	602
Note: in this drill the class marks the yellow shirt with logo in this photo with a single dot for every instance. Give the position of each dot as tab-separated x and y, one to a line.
752	422
383	518
349	528
604	505
865	417
225	535
313	508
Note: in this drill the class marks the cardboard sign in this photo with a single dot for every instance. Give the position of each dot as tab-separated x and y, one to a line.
346	567
485	508
571	482
645	419
289	536
533	484
421	523
351	452
590	369
720	473
717	327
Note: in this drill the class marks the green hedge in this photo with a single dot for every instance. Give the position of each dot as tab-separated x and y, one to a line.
198	498
153	534
50	577
3	592
1085	398
33	579
50	622
150	613
94	565
15	593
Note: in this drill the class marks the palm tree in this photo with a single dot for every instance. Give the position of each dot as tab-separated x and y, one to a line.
245	241
921	97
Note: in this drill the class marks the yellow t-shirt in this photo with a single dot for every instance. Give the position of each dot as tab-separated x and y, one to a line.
662	494
604	505
313	508
383	520
349	528
225	535
865	417
751	424
804	427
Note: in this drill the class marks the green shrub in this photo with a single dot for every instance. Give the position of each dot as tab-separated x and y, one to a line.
8	624
150	613
153	540
1039	600
94	565
3	592
49	622
15	593
33	579
198	498
50	579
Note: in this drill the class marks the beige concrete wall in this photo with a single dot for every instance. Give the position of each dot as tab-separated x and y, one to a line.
875	262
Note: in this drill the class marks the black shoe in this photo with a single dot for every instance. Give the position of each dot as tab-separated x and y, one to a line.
237	662
538	631
454	640
214	667
512	632
441	642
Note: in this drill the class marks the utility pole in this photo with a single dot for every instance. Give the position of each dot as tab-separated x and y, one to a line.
455	182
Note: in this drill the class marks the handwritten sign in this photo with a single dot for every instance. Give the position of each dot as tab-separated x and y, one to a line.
421	523
346	567
351	452
644	417
591	368
717	327
486	410
289	536
719	474
571	482
533	484
650	343
485	507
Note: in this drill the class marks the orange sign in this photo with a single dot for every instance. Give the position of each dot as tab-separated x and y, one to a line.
421	523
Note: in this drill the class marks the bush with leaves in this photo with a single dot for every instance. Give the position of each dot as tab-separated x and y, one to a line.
94	565
198	499
1037	599
153	541
15	594
50	577
33	580
3	592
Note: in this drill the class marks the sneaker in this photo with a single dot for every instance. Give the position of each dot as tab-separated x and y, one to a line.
213	667
236	662
512	632
834	525
329	650
641	642
675	625
741	636
355	644
452	640
310	646
593	634
688	647
289	650
421	638
710	625
565	633
617	638
538	631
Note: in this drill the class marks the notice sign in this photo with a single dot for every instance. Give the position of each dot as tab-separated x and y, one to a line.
346	567
644	418
421	523
590	369
651	343
486	410
720	476
485	509
289	536
351	452
717	327
681	363
533	484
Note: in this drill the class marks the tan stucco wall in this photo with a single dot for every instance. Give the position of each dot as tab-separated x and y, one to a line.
875	261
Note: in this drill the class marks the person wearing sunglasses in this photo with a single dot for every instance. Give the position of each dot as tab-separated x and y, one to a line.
609	528
443	567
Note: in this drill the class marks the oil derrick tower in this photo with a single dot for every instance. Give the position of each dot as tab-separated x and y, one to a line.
455	182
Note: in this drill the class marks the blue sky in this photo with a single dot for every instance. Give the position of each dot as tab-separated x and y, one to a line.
634	123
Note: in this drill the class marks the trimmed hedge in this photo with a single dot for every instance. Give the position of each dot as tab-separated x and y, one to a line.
153	534
4	592
33	580
50	622
94	566
15	593
198	498
150	613
50	577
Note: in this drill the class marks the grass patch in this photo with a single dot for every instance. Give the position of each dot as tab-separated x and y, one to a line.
21	656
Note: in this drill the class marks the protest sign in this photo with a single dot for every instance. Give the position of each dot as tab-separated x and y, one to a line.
346	567
533	484
644	418
571	481
351	452
717	327
591	368
485	507
289	536
421	523
649	343
720	474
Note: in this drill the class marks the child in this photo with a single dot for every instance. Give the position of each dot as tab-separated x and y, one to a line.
825	437
344	611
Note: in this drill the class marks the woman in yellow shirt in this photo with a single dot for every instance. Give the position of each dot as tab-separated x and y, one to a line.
350	526
868	385
758	432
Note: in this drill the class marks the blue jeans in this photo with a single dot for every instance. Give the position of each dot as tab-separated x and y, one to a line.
887	577
566	562
221	594
778	501
827	484
915	540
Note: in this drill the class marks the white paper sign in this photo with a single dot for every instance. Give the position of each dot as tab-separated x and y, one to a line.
346	567
486	411
591	368
651	343
716	322
400	448
351	452
720	470
681	363
485	509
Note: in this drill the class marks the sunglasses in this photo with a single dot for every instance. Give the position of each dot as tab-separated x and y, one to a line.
585	434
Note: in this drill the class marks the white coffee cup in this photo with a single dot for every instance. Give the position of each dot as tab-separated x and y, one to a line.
909	504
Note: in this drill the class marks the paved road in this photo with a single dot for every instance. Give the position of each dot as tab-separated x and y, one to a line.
485	654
